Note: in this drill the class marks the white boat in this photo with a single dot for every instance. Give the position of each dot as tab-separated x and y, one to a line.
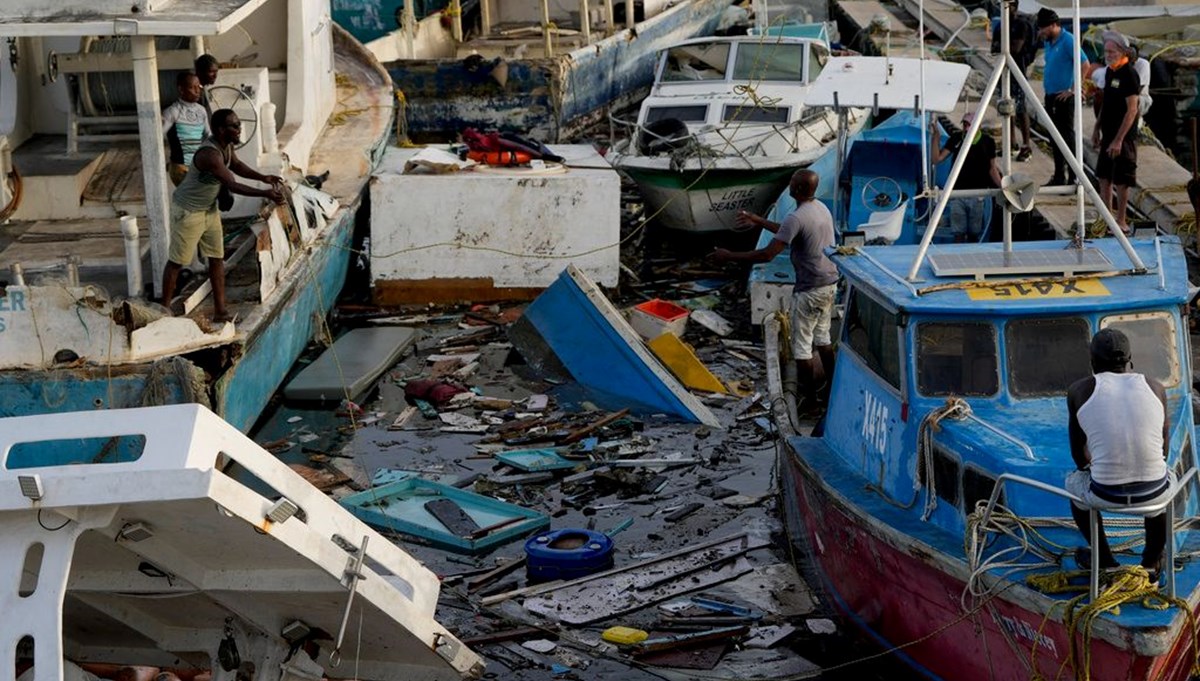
164	558
725	127
84	197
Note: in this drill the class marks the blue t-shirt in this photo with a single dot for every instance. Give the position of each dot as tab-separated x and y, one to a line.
1059	74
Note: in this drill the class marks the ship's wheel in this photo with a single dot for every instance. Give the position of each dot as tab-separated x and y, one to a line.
229	97
881	193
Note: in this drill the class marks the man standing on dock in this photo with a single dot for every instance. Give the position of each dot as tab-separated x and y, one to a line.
1119	433
1060	80
1116	128
809	231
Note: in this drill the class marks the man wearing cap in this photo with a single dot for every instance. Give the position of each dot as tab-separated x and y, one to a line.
970	216
1119	434
1116	127
1060	80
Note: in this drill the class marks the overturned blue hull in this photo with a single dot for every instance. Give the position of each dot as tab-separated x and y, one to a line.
572	329
549	99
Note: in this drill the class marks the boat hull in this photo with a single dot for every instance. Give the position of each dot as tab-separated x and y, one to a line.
550	99
258	362
893	589
708	201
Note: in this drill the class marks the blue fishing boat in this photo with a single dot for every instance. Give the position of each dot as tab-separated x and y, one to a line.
573	331
89	201
544	70
933	504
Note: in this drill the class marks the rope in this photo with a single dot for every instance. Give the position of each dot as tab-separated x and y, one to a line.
1130	584
955	407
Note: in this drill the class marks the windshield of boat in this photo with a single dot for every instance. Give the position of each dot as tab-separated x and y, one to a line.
957	358
1045	356
704	61
769	61
1152	338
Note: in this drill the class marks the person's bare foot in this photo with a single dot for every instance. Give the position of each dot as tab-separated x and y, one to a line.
222	317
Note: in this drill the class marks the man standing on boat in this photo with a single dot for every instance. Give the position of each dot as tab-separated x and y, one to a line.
1116	127
207	68
195	218
809	231
970	216
1119	434
1060	81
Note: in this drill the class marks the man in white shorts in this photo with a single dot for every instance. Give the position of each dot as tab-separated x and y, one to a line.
1119	433
809	231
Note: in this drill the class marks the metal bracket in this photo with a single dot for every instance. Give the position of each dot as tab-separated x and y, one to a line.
353	574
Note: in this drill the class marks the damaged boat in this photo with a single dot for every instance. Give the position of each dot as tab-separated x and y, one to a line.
543	69
726	124
86	198
196	549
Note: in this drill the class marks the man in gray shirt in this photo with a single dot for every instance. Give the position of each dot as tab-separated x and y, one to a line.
809	231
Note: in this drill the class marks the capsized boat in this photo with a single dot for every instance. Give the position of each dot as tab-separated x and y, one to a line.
545	70
87	198
572	331
195	548
726	124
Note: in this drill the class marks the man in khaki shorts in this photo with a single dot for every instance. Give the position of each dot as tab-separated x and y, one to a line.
195	218
809	231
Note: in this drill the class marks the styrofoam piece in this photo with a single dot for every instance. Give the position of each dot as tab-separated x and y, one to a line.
351	366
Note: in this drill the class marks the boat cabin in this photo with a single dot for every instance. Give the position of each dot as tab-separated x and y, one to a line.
1006	347
703	83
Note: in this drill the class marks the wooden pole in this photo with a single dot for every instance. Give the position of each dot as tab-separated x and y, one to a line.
629	14
456	25
410	28
546	27
609	29
485	17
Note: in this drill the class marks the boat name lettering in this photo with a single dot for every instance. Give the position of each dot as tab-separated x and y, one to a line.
13	302
1024	630
734	199
874	428
1069	288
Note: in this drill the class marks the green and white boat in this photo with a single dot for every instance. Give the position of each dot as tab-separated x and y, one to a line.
725	126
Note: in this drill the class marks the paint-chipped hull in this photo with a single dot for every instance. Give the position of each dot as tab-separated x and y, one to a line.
897	592
549	99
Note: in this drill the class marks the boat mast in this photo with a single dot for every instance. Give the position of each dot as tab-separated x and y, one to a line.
1006	64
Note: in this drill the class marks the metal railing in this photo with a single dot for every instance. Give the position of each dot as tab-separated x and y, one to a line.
1094	523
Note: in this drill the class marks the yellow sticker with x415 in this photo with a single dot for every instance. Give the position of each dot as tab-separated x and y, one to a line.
1071	288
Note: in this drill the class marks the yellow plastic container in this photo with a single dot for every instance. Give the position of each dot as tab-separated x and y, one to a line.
624	636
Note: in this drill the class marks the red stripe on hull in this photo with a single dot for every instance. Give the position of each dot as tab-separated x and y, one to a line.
902	596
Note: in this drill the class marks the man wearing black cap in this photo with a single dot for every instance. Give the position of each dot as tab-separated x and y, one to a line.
1060	79
1119	434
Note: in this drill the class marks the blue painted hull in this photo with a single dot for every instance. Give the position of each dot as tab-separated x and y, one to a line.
549	99
590	339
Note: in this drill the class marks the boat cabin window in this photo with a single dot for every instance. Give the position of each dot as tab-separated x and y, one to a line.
945	475
769	61
704	61
1152	337
817	57
957	358
871	332
977	487
1045	356
688	114
755	114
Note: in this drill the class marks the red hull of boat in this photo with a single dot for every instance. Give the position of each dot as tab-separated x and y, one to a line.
893	589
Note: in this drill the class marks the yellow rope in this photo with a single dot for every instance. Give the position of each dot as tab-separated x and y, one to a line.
1129	584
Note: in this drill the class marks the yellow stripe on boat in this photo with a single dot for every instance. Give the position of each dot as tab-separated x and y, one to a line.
1071	288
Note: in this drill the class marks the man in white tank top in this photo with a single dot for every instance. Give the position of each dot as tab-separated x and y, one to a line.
1119	438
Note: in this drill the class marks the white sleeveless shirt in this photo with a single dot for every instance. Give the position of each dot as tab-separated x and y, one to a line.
1123	423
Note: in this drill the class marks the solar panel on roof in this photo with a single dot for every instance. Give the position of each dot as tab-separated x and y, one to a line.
1048	261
